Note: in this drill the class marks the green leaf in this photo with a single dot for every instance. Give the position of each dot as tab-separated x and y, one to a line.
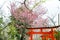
1	20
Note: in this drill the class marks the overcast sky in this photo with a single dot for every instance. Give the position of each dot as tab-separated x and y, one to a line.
52	6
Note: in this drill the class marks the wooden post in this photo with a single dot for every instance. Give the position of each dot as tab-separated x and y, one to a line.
52	34
31	35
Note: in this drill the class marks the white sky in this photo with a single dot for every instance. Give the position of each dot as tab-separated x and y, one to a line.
52	6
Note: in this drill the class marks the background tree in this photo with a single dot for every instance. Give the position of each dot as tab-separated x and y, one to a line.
25	18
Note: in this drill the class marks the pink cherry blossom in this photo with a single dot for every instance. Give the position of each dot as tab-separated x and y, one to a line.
25	15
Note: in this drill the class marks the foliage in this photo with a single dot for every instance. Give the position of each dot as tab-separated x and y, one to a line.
57	36
9	31
1	20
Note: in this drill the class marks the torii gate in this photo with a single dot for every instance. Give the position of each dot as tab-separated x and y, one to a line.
49	34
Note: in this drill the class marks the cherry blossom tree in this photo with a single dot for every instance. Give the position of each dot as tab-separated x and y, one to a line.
24	16
28	16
